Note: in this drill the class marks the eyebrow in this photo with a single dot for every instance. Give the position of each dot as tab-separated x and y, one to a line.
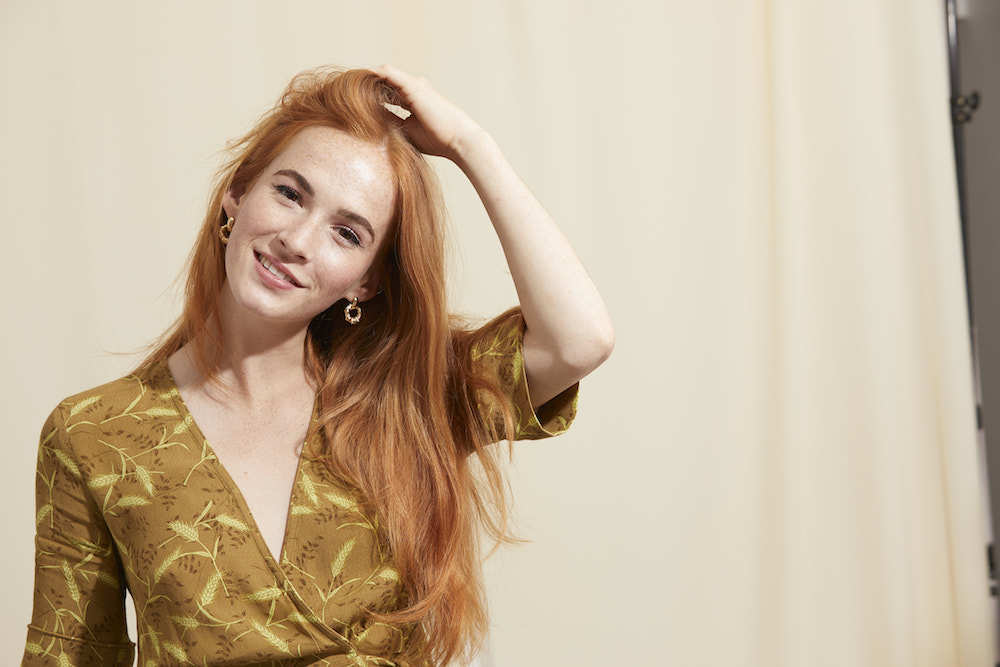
345	212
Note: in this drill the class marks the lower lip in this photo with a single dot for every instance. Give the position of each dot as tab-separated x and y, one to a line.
269	278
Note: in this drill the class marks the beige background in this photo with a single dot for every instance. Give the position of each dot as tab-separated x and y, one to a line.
777	466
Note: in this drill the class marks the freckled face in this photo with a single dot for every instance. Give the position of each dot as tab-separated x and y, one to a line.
326	239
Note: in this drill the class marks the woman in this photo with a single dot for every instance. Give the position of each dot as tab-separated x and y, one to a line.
285	479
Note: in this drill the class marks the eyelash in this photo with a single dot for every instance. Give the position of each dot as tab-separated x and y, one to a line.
283	188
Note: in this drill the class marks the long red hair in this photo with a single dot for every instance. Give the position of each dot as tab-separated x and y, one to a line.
400	399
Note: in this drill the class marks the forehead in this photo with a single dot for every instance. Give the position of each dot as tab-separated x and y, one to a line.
343	171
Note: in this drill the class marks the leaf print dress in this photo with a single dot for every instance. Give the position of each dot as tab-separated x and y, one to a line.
130	494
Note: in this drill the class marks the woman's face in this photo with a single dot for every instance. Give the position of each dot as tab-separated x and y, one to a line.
324	225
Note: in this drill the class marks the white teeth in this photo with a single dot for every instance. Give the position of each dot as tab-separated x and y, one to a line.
274	271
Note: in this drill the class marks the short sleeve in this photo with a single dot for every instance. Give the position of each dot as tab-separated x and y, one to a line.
78	615
499	350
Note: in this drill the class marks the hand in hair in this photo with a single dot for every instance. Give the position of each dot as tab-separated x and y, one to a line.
435	126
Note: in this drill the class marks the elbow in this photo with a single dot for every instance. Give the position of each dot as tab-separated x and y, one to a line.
595	353
606	346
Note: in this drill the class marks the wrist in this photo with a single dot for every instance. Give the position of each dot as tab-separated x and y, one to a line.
471	144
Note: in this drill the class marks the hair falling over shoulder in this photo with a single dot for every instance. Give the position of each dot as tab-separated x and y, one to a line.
397	390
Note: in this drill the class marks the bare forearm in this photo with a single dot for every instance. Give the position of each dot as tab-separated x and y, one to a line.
561	305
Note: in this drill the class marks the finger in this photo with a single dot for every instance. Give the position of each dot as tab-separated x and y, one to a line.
393	74
383	73
399	80
409	84
392	70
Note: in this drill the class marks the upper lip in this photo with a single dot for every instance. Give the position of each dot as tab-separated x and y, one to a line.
281	267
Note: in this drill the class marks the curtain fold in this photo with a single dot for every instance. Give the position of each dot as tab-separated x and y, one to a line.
877	552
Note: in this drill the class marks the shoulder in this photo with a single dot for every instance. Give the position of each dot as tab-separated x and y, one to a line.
114	408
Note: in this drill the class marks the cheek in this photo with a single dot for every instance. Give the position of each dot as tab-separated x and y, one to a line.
259	225
244	228
341	271
334	273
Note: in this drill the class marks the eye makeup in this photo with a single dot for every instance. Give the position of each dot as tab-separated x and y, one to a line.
350	237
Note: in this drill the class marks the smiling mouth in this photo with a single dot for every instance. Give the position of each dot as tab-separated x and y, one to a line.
280	275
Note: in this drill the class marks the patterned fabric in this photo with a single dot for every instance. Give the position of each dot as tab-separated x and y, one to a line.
130	493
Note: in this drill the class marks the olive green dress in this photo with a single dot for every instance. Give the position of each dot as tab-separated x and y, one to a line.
130	493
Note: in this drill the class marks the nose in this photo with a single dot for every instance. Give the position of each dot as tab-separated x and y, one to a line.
296	237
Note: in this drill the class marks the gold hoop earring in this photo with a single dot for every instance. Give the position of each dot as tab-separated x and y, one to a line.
353	319
226	230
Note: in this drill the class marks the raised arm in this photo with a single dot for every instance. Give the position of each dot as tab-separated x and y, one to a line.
568	330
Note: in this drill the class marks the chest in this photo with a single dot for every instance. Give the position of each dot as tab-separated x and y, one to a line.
189	499
262	458
265	478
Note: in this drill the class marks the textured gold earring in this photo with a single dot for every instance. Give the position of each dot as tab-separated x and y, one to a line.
353	319
226	230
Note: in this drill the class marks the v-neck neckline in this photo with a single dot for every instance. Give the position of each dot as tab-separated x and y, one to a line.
277	571
234	489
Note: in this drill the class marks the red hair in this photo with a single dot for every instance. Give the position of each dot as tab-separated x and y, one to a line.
398	391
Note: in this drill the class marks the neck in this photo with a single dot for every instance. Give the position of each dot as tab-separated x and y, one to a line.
263	359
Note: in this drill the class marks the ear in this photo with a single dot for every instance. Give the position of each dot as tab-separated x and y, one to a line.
231	204
369	285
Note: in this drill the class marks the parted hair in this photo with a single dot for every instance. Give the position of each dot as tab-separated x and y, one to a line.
401	399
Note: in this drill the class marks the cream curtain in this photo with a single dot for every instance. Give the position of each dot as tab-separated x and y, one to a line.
777	467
